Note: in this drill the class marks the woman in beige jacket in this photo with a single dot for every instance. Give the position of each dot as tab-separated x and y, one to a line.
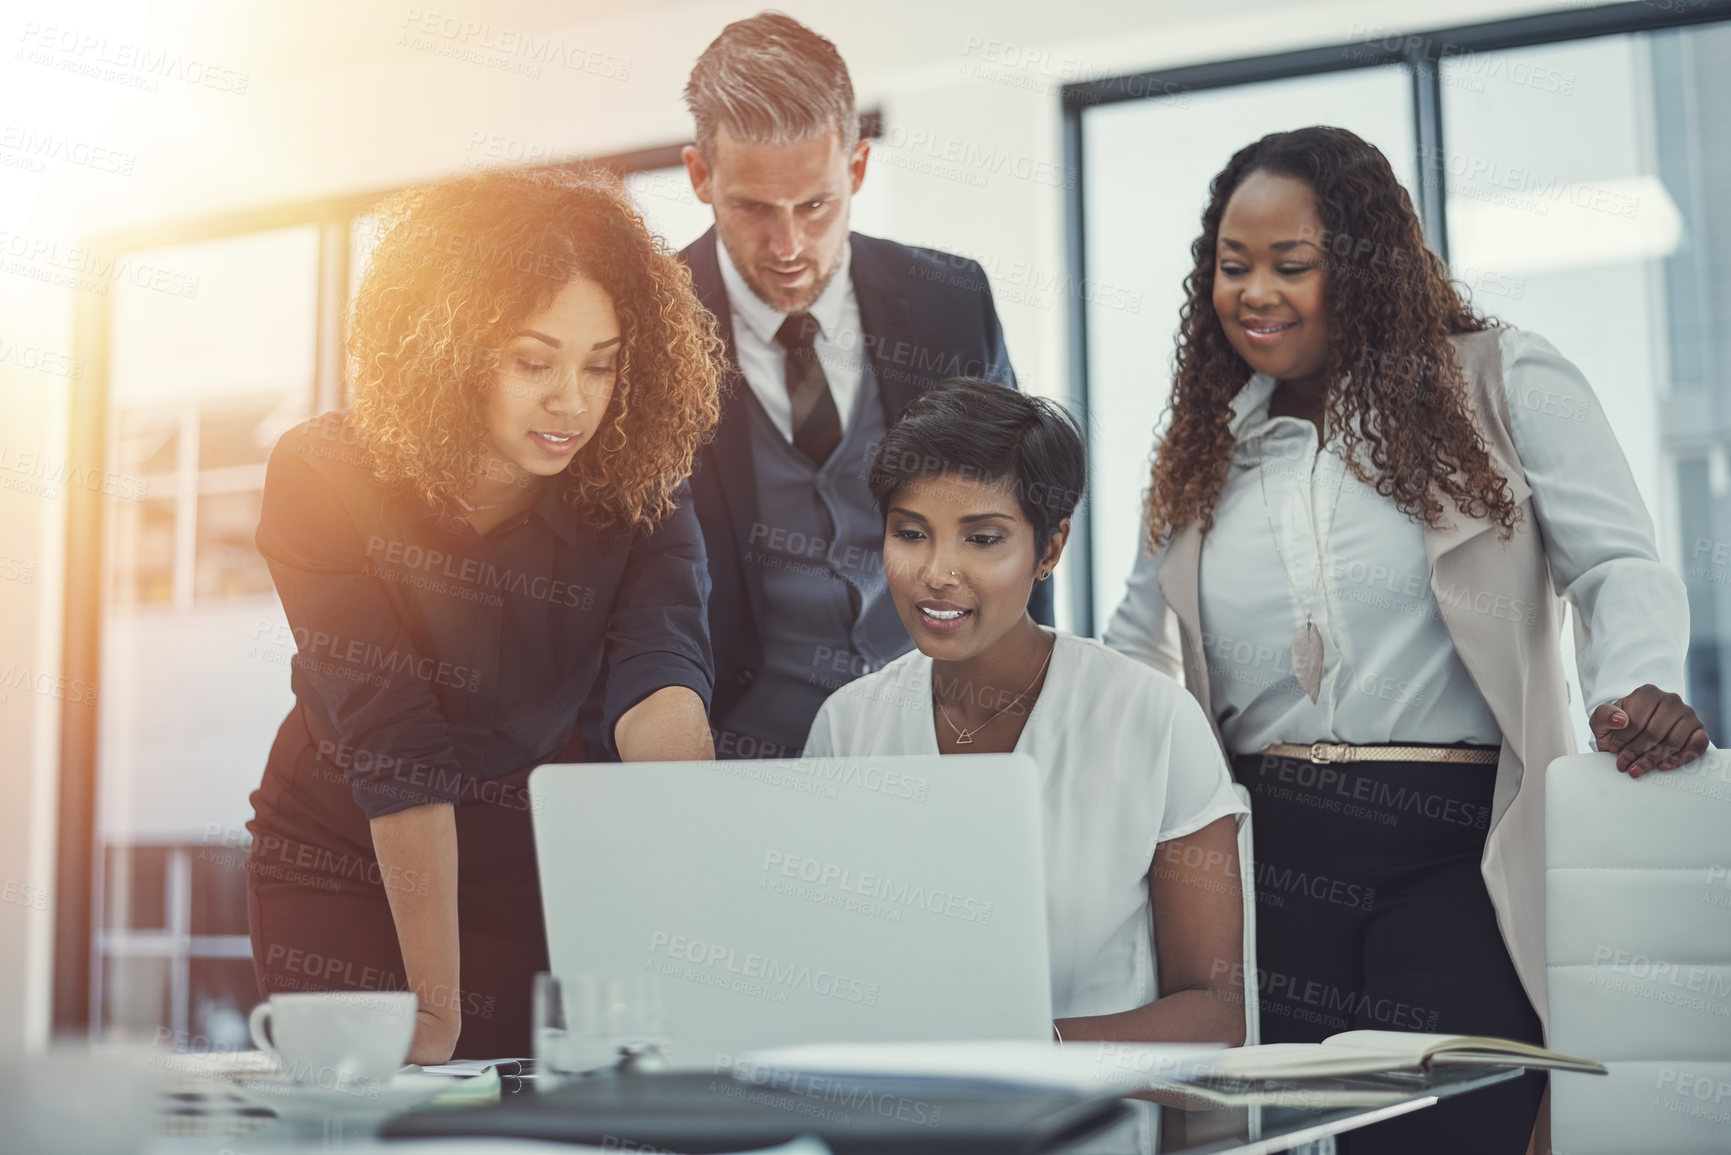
1367	511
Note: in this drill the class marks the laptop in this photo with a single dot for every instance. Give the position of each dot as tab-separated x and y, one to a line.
811	900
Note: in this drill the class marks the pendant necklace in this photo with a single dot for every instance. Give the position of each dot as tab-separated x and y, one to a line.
468	508
1307	647
966	737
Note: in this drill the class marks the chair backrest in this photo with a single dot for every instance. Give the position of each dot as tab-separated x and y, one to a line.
1638	935
1247	881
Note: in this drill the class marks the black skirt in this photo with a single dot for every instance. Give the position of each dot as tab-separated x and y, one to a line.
1372	915
318	907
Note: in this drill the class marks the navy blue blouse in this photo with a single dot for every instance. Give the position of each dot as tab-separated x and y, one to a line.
431	658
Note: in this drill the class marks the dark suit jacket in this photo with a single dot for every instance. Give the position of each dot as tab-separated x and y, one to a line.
927	315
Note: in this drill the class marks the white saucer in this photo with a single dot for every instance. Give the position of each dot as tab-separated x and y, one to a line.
292	1100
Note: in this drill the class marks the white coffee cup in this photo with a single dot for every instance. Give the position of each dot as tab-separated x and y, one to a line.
334	1039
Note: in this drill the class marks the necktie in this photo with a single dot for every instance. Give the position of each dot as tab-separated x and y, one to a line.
816	422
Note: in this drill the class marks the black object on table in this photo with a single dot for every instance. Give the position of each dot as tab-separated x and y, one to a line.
698	1113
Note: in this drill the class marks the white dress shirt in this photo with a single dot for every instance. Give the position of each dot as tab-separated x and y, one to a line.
840	343
1391	673
1126	760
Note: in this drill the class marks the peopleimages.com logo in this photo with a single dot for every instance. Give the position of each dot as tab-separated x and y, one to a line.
766	969
876	885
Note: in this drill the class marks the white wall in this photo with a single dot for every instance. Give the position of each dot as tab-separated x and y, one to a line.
265	103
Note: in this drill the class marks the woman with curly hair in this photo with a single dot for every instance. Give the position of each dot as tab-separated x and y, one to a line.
497	526
1368	509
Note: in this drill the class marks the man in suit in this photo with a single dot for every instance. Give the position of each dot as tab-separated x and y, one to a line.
829	335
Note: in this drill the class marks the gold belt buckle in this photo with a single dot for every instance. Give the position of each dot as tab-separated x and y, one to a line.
1322	753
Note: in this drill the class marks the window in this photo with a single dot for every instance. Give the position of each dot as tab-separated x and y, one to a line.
1590	218
195	648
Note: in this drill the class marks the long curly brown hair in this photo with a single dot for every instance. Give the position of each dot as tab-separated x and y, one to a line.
1396	387
459	265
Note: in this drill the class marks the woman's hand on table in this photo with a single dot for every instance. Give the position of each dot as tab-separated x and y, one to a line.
436	1034
1649	729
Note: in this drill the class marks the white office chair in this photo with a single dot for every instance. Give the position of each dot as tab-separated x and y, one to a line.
1638	937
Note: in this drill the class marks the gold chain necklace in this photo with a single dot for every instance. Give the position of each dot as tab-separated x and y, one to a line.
966	737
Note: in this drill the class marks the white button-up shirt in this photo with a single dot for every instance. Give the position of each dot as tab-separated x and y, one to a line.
840	344
1391	673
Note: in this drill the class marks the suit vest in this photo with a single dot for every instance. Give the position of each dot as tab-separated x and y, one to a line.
817	548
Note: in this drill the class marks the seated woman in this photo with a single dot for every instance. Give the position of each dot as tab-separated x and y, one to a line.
976	484
497	527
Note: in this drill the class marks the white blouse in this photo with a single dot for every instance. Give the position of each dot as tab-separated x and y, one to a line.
1126	761
1391	673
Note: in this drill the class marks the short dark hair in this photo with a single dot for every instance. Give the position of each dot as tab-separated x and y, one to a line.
987	433
771	80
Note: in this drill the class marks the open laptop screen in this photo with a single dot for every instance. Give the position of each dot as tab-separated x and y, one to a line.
829	899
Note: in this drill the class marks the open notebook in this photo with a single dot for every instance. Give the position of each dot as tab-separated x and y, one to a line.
1368	1052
